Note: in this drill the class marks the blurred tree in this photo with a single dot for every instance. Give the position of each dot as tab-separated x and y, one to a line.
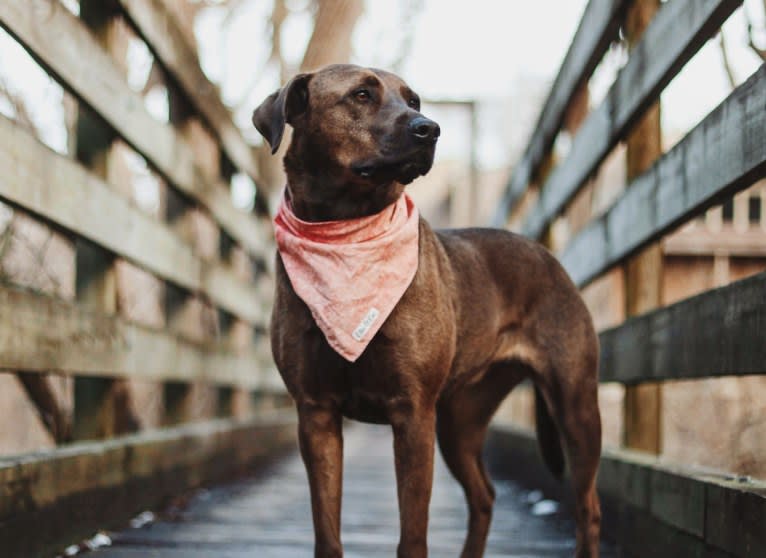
19	108
759	50
752	31
333	26
330	42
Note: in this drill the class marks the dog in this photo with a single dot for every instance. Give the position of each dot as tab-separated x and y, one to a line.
485	310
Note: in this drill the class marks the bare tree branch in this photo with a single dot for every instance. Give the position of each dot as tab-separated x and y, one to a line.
21	113
331	40
761	52
751	43
726	62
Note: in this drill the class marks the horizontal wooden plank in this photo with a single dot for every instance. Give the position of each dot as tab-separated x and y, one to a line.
66	194
725	153
67	49
704	241
676	33
40	333
597	29
160	30
720	332
735	515
685	511
73	491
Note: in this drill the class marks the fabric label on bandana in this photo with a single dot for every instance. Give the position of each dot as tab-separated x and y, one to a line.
352	273
365	324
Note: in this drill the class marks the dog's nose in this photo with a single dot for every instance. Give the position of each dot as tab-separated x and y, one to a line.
424	130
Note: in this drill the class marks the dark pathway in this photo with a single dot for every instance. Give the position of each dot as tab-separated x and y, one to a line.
269	517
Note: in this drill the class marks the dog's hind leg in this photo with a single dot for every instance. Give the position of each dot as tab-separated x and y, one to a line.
575	401
463	419
582	434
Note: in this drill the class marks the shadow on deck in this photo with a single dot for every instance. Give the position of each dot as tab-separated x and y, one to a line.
269	516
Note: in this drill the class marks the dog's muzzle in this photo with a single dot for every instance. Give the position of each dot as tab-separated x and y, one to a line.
424	130
412	157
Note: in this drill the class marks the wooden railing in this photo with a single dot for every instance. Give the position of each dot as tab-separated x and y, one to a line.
89	338
659	509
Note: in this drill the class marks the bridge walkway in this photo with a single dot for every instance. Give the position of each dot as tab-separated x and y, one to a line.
269	516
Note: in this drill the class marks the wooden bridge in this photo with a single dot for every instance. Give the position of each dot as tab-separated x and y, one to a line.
106	468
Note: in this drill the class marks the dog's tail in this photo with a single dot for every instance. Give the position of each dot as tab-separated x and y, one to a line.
548	437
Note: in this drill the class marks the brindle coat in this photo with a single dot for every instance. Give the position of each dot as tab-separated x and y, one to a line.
486	310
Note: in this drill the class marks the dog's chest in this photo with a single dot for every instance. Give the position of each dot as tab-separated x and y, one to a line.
366	406
410	354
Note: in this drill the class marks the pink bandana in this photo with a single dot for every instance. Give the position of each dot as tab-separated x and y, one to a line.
350	273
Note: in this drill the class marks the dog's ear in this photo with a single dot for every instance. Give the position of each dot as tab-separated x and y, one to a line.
282	107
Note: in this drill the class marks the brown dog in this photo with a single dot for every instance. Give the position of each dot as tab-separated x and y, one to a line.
486	310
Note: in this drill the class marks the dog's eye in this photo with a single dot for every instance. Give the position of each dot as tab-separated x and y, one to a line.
414	103
362	95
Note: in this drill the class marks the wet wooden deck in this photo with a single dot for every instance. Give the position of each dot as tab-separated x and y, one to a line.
269	516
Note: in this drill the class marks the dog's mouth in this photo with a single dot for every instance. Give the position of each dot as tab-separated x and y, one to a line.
402	168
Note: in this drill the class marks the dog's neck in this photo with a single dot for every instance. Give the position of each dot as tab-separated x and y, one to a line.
340	207
331	196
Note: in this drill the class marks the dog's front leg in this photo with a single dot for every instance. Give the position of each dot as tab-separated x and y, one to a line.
321	443
414	434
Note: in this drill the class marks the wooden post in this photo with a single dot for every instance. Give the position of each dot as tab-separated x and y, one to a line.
236	333
643	273
188	314
225	394
243	335
176	395
102	405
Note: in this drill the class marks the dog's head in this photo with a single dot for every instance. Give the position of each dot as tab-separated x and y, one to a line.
361	126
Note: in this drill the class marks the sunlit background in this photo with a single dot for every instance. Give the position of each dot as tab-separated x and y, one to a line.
484	68
501	54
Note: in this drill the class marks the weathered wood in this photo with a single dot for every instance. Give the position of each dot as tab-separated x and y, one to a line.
735	516
165	39
102	406
639	530
193	315
676	511
56	417
598	28
43	333
718	333
678	31
175	401
270	516
59	41
723	154
231	293
557	233
63	192
642	408
51	499
703	242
